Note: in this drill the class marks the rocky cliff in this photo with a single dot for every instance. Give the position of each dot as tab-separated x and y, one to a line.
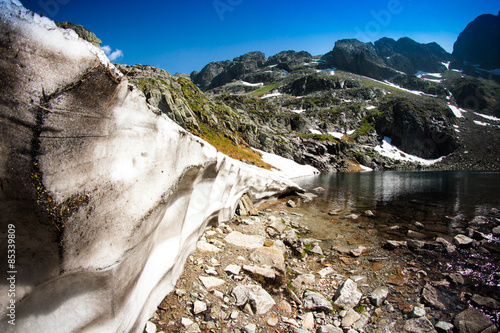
478	45
386	57
106	195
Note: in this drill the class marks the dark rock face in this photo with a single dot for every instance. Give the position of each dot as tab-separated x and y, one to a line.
312	83
211	71
83	33
217	74
360	58
291	58
408	56
384	59
416	127
479	43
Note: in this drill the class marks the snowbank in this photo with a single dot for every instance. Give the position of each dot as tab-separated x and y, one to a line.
288	167
135	191
456	111
388	150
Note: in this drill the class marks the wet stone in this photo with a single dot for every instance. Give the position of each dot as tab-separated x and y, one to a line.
473	321
444	327
419	325
462	240
431	296
486	302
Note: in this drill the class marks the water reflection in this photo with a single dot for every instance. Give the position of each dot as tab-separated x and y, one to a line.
469	193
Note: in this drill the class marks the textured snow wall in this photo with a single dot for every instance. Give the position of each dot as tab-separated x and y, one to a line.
106	196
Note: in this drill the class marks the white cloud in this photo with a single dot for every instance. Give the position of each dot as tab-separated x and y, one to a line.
117	54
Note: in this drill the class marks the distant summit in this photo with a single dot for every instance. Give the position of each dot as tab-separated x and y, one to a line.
386	57
479	44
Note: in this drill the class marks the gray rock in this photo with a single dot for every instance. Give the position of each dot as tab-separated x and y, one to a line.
186	322
278	226
444	327
246	241
307	197
419	325
479	220
317	250
486	302
362	322
210	282
314	301
418	311
304	281
81	32
291	239
350	318
233	269
250	328
255	295
308	320
450	248
150	327
329	329
415	244
473	321
379	295
432	296
261	271
496	231
269	256
291	203
415	234
392	244
456	278
347	295
462	240
199	307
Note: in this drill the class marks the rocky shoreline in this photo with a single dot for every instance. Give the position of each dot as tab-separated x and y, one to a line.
264	273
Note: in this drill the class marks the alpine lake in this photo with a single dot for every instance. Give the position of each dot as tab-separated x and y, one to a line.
400	229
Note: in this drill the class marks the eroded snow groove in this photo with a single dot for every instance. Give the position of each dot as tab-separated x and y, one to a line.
106	196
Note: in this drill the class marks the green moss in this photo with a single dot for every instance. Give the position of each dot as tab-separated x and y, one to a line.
360	308
319	137
264	90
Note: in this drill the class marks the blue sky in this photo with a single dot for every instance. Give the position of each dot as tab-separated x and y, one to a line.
185	35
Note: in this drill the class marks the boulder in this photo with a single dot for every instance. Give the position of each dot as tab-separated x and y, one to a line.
432	297
379	295
269	256
361	58
314	301
473	321
350	318
247	241
255	295
419	325
347	294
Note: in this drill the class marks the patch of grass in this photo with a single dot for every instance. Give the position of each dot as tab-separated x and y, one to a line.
264	90
319	137
360	308
239	152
